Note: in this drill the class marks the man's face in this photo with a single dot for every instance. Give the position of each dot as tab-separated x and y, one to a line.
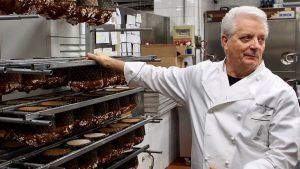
244	49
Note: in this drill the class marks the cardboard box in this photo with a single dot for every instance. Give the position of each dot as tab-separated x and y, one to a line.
166	52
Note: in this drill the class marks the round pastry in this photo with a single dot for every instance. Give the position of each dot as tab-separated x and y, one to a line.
53	103
31	108
56	152
131	120
95	135
78	142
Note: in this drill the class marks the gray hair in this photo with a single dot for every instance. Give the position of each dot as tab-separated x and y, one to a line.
228	22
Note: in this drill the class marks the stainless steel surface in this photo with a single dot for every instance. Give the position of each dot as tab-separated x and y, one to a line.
147	58
160	25
122	30
28	71
26	38
281	40
18	17
212	34
68	37
153	151
3	70
129	157
42	66
24	121
298	49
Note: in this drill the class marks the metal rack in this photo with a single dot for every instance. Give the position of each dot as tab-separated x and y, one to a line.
45	66
74	154
122	30
18	17
32	118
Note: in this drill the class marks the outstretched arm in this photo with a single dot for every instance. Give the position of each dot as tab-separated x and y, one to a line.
173	82
108	62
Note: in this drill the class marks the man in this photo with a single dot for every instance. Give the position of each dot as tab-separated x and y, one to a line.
243	116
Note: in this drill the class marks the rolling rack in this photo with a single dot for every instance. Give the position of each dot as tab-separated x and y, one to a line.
45	117
21	157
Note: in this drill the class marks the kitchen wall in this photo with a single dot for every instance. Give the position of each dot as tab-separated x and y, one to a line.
190	12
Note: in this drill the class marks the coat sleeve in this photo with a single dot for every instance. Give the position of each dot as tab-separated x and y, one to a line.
283	136
172	82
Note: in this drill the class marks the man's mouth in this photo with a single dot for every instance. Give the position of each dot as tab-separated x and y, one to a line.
250	55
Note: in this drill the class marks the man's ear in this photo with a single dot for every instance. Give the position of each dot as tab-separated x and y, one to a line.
224	41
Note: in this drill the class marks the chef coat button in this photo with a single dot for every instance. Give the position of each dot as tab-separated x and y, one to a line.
239	116
131	72
206	158
232	139
226	163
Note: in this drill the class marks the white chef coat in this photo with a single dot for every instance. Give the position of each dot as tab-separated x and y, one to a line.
253	124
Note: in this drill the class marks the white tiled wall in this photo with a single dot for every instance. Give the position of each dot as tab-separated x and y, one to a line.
175	10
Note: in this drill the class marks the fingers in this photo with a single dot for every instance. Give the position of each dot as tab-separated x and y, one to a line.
91	56
100	58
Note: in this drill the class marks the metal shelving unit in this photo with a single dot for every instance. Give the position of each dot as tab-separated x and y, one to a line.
74	154
45	65
30	117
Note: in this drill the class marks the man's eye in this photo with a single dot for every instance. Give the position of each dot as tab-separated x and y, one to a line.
261	39
245	39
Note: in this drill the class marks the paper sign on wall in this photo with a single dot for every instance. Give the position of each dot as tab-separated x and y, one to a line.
102	37
130	19
114	38
138	18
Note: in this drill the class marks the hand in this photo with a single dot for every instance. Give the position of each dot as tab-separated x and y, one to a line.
107	61
100	58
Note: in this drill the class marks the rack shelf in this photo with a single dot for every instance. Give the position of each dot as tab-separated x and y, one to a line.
44	65
122	30
22	159
31	118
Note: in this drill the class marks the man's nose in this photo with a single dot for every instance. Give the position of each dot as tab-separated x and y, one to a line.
254	43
